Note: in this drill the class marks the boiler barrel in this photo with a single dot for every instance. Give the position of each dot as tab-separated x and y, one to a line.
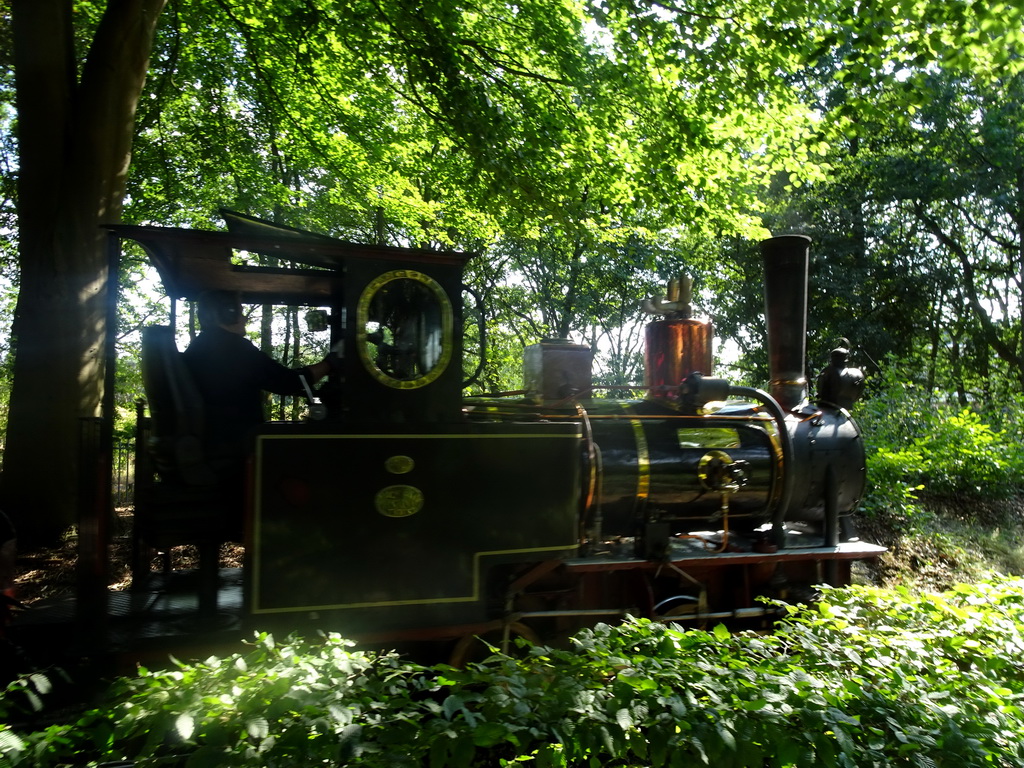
650	466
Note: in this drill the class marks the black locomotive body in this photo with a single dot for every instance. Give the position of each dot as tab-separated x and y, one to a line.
400	509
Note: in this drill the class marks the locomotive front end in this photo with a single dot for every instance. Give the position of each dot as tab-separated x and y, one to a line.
699	453
703	496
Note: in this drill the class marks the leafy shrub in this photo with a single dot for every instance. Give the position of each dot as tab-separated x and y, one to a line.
963	455
918	445
892	494
867	677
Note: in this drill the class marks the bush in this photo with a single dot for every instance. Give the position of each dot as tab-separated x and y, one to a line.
964	456
891	493
867	677
918	445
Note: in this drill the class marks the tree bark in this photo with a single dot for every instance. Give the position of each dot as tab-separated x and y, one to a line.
75	138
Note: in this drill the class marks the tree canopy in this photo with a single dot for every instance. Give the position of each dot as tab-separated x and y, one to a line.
592	148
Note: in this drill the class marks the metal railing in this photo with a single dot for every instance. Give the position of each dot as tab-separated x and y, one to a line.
122	480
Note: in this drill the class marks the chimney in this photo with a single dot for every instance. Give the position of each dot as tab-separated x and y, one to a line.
785	301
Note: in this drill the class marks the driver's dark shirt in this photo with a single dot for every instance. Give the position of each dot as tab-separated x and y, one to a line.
231	374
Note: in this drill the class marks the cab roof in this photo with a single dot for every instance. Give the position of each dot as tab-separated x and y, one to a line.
312	266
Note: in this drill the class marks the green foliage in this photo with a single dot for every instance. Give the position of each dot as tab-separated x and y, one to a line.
892	492
565	131
866	677
964	455
918	444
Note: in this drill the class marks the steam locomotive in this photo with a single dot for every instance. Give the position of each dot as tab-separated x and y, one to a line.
398	509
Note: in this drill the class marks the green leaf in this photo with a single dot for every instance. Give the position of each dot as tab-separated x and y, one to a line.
488	734
624	719
184	724
634	680
257	727
10	742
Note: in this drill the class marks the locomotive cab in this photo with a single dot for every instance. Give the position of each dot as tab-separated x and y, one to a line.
394	314
387	510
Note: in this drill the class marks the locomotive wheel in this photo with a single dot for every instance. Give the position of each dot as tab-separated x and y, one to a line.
474	647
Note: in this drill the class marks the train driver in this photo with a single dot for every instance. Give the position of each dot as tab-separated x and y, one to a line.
231	374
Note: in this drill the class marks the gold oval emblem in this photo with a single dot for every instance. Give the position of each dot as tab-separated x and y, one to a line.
399	465
398	500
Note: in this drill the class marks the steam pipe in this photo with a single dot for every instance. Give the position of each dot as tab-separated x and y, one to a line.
698	390
785	284
786	439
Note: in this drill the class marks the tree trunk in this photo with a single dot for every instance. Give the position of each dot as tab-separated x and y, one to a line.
990	334
75	145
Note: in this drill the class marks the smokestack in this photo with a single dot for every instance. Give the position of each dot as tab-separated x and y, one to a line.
785	304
